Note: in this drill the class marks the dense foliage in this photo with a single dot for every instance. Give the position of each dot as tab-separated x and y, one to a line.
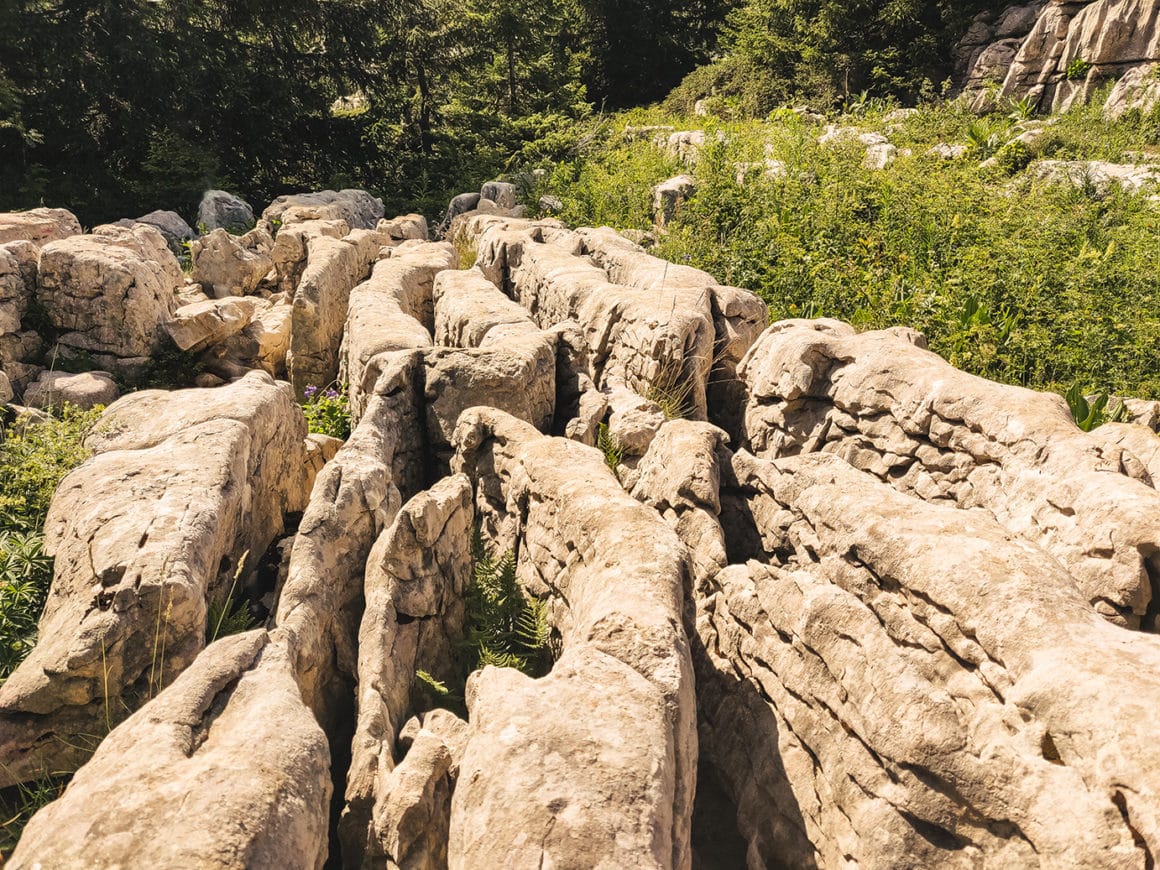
114	109
824	51
1024	281
33	460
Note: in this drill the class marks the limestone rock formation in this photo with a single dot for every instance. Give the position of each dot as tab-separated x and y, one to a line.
170	224
818	599
85	390
109	293
392	310
901	413
357	208
200	324
333	268
232	265
669	196
39	226
416	577
183	490
1063	52
594	764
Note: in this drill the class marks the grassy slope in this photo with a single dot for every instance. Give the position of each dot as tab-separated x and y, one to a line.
1028	283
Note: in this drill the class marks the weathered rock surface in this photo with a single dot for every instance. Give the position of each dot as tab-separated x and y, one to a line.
415	580
392	310
220	210
333	268
181	487
986	737
357	208
19	347
197	326
225	768
56	389
669	196
594	764
170	224
903	414
39	226
232	265
253	794
404	228
1070	51
109	293
1097	175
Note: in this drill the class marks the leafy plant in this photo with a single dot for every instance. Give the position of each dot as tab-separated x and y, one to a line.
505	626
1022	110
1013	157
1093	414
608	444
327	411
984	139
25	575
1077	69
33	460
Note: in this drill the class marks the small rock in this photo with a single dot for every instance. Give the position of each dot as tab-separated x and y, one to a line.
56	389
197	326
501	193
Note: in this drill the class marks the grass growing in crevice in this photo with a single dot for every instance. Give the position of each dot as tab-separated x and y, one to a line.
20	803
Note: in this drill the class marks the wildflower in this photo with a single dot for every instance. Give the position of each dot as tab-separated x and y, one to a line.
331	393
310	392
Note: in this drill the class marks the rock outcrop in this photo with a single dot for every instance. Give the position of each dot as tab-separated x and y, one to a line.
593	765
1060	53
333	268
184	491
357	208
109	293
221	210
901	413
817	599
39	226
227	265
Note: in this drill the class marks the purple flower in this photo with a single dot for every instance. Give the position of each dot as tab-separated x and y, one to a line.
310	392
331	393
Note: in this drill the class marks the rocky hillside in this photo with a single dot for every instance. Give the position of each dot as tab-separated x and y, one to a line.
1058	53
784	595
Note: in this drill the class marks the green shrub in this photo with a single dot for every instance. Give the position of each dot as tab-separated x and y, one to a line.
1066	287
34	459
505	626
327	411
25	574
1013	157
1077	69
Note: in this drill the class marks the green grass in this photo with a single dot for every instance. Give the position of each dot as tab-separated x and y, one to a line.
1024	282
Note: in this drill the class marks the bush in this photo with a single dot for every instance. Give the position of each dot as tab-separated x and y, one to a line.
34	459
1013	157
25	574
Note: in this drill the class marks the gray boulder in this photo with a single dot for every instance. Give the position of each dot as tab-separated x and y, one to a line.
222	210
